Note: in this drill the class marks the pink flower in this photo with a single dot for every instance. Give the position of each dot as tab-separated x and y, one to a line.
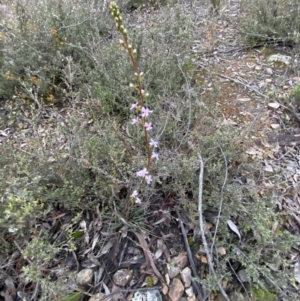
148	126
154	156
148	179
135	121
134	106
153	143
142	173
145	112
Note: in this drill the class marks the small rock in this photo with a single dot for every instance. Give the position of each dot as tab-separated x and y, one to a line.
84	276
173	251
23	296
190	292
258	68
244	99
269	71
153	295
9	284
186	276
268	80
284	59
273	105
177	264
235	296
243	276
168	280
122	277
222	251
97	297
173	271
193	298
268	168
164	289
275	126
176	290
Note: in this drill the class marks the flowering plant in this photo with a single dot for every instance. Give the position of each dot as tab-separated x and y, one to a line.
140	111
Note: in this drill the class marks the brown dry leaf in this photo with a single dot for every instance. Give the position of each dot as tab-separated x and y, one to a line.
203	259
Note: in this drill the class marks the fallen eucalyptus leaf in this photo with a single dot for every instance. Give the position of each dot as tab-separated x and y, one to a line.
234	228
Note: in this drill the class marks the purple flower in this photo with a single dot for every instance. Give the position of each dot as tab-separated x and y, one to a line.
137	200
145	112
148	179
148	126
142	173
134	194
134	106
154	156
153	143
135	121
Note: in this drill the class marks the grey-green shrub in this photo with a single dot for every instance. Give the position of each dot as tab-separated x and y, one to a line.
270	20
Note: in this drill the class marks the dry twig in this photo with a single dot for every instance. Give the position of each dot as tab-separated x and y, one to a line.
201	224
148	256
196	285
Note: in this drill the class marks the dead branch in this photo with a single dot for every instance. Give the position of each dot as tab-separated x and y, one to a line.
196	285
201	224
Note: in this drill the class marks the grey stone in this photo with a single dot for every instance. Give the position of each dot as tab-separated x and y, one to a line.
122	277
84	276
176	290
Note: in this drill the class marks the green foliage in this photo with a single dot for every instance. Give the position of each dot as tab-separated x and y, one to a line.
296	95
86	155
73	297
260	294
42	37
270	20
